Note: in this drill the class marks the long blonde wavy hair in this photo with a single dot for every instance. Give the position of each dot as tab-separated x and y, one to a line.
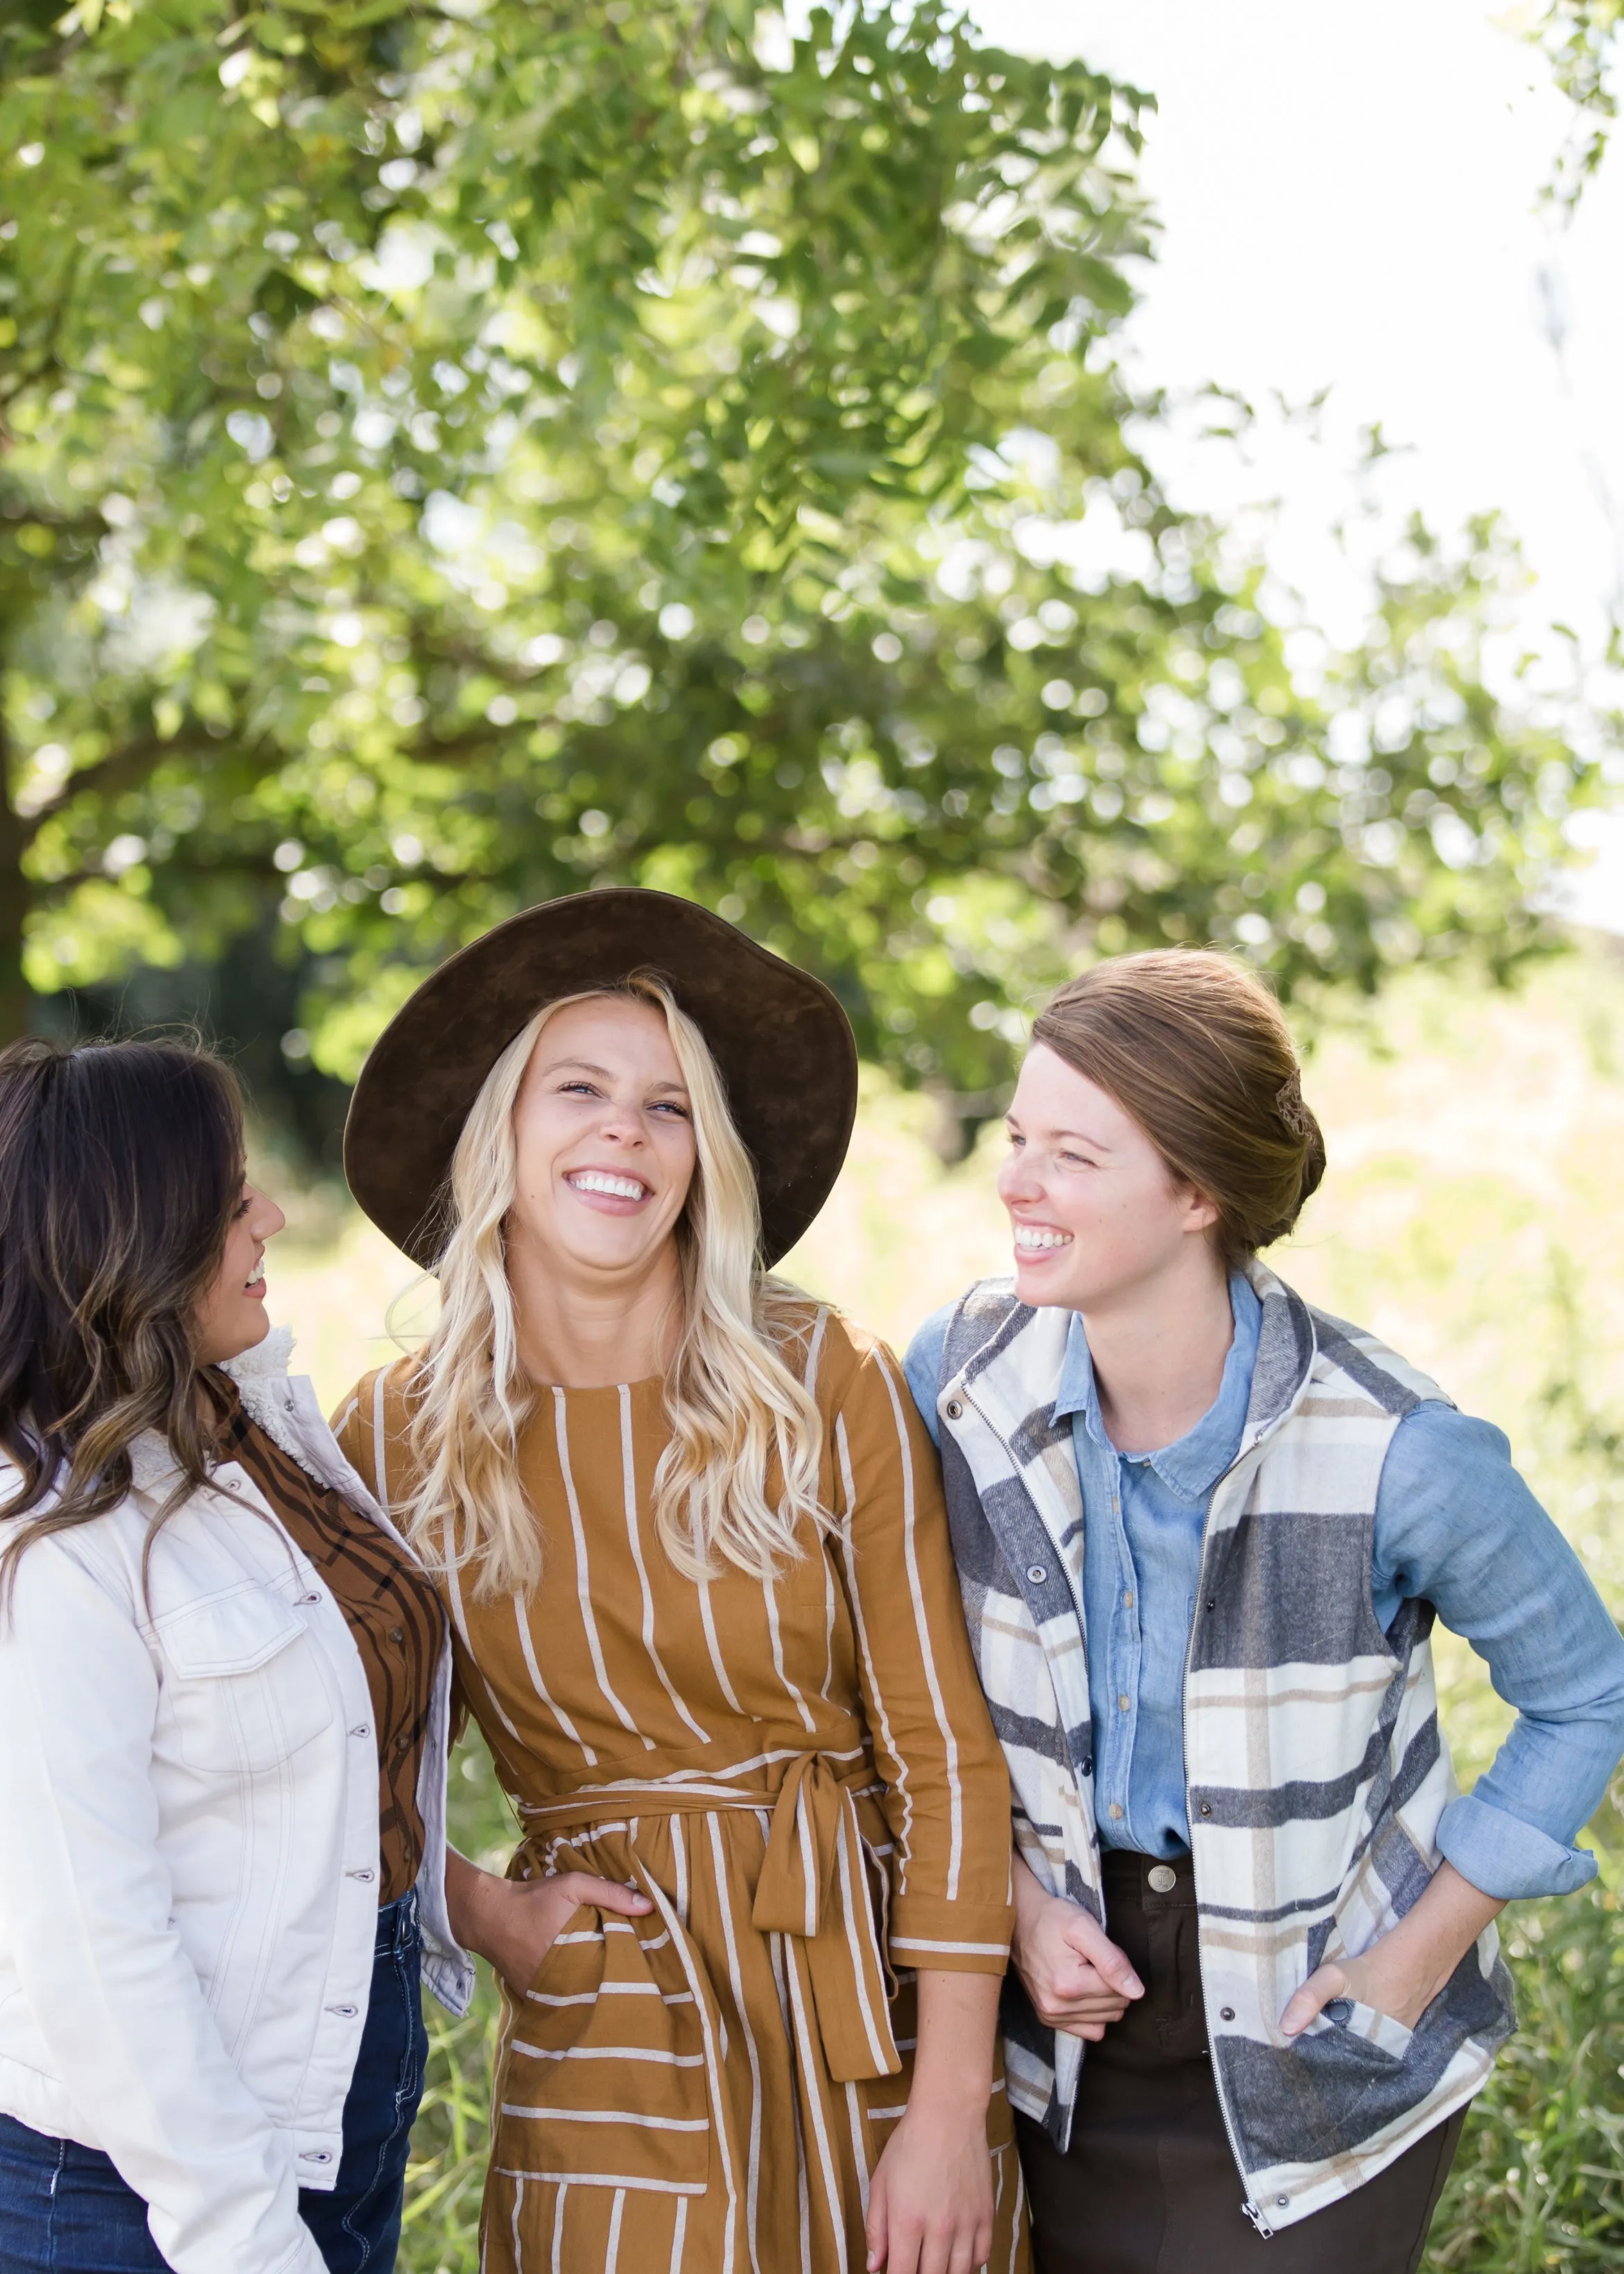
740	1418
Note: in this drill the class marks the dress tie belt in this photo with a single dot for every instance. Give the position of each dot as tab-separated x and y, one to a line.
813	1888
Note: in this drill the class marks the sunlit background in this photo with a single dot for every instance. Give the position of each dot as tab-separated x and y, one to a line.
1363	239
1354	205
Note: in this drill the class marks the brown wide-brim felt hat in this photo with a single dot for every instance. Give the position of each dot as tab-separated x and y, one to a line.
783	1044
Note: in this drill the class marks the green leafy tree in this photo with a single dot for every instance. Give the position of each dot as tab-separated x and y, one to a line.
1583	38
454	456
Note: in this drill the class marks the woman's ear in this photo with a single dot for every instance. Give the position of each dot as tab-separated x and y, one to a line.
1200	1214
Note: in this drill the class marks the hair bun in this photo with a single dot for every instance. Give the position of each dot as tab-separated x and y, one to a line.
1292	1110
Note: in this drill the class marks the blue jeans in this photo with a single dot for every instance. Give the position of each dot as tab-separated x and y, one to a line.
64	2208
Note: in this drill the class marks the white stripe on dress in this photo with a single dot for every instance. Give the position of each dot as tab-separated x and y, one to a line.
606	2116
678	1857
612	2257
609	2052
677	2233
380	1442
752	2183
775	1947
584	1592
859	2153
454	1588
629	1473
905	1838
709	1623
521	1621
718	2102
856	1943
806	1721
815	1351
825	2157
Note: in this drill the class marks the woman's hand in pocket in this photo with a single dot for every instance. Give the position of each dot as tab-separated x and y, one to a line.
515	1923
1404	1969
1076	1978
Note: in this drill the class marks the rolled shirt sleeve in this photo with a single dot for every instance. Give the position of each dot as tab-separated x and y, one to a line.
1456	1524
947	1798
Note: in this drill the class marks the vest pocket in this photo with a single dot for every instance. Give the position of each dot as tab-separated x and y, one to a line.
1378	2030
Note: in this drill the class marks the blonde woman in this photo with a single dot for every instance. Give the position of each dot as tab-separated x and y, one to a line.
689	1531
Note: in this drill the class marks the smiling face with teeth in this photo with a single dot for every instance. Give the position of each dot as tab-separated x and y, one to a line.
1097	1215
605	1153
232	1316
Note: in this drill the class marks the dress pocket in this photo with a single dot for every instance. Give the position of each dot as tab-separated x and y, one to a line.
246	1689
603	2068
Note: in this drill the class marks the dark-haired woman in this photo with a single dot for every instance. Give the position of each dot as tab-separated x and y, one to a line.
224	1689
1202	1531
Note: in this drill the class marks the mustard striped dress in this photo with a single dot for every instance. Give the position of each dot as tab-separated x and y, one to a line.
802	1778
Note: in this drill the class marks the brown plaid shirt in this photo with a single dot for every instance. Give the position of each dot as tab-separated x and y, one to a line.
394	1615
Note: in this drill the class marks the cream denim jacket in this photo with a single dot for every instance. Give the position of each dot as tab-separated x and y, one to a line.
189	1849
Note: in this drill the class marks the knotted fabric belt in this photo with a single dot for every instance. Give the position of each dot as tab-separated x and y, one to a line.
813	1889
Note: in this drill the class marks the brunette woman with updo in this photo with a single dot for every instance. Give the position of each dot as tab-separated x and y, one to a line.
1203	1532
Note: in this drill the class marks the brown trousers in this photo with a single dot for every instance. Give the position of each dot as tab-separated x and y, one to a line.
1149	2185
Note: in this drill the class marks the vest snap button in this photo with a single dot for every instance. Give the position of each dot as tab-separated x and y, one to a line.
1226	2013
1207	1808
954	1409
1037	1573
1281	2201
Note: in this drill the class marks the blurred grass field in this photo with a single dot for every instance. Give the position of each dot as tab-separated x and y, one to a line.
1470	1216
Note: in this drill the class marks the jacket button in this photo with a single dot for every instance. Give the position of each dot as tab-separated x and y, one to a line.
954	1409
1037	1573
1212	1602
1226	2013
397	1634
1207	1808
1281	2201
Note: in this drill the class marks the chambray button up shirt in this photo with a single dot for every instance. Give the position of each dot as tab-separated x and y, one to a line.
1455	1524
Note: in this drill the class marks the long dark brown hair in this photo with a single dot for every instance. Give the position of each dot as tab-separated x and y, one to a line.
121	1166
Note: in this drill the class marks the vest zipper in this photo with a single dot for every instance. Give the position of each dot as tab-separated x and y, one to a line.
1252	2210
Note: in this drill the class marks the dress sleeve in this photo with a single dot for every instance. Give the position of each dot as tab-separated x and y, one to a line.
947	1798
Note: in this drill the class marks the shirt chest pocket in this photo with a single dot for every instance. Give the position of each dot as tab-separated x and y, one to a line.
245	1687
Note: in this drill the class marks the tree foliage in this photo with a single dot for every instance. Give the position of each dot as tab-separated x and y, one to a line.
1582	38
457	455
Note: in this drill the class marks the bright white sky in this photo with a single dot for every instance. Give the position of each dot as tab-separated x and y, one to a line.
1351	197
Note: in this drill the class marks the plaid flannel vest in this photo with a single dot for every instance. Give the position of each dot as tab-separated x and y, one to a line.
1315	1769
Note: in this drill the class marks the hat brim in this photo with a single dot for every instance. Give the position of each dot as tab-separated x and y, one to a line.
783	1044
